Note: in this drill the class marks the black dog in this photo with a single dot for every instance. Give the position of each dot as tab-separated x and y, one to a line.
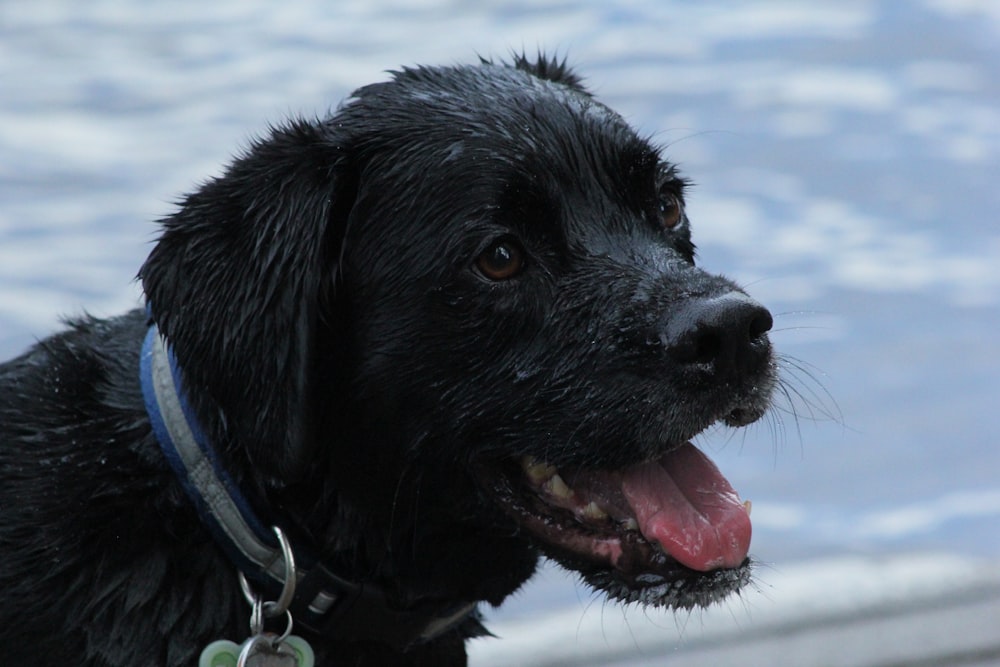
450	328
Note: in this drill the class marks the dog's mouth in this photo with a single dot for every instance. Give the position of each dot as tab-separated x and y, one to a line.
670	532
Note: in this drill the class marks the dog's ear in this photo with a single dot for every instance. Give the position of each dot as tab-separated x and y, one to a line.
239	283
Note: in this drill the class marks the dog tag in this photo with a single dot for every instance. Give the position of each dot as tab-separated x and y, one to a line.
259	651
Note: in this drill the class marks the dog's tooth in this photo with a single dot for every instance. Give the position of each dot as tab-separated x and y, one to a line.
747	505
592	511
538	472
558	488
630	524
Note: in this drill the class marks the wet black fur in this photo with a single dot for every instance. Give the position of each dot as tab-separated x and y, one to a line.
355	368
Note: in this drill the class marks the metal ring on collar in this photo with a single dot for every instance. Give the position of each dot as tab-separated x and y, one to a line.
284	601
274	644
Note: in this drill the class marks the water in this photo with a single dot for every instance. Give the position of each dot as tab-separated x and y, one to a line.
846	156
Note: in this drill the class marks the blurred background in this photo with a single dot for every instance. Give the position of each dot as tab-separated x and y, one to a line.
846	156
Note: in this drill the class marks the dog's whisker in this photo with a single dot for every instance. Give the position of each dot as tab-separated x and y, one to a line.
790	313
800	328
779	412
822	404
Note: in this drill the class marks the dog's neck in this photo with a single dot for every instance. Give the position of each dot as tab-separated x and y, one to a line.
321	600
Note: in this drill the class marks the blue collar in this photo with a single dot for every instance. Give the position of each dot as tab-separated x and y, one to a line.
323	602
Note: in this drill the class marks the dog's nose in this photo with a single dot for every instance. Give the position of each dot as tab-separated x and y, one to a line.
726	332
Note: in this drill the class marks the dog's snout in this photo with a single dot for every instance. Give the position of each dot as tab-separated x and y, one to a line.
726	332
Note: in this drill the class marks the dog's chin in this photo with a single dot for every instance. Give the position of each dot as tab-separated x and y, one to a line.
670	532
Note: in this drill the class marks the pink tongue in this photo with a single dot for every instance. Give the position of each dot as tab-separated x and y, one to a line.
683	503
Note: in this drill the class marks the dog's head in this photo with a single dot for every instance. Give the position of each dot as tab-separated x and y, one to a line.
466	307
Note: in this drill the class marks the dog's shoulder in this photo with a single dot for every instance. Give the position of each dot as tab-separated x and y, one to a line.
73	371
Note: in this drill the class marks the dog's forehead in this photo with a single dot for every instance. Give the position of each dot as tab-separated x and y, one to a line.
462	153
494	112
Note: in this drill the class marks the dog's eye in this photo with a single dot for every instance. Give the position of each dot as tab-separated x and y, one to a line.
670	210
503	260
